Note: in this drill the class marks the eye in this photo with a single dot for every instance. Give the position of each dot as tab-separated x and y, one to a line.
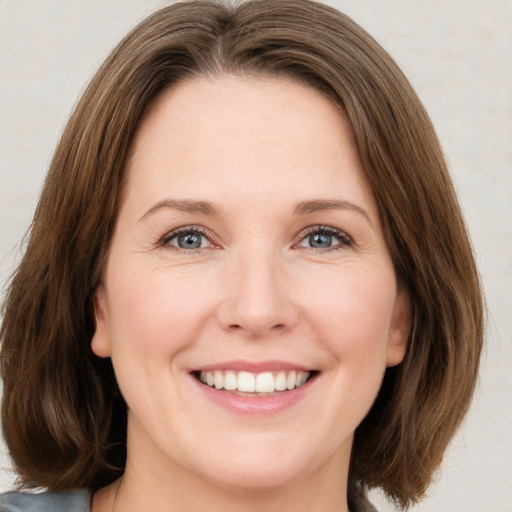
187	239
324	238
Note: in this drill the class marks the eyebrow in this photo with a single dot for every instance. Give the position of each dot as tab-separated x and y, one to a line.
321	205
303	208
200	207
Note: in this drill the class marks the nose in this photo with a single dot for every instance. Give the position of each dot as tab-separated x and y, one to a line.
258	301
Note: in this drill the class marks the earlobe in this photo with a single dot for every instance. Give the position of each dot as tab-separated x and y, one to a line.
100	343
400	328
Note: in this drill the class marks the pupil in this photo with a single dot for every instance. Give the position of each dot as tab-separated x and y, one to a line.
189	241
320	240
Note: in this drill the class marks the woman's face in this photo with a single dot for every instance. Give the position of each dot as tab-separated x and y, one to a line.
248	254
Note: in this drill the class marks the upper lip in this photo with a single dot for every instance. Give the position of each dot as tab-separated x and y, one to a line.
253	366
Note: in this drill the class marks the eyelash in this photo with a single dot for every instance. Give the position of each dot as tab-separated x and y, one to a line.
345	240
199	230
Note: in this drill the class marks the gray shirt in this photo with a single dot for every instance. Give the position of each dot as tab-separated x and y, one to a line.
80	501
68	501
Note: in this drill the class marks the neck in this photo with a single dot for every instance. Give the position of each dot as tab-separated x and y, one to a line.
153	481
138	492
177	491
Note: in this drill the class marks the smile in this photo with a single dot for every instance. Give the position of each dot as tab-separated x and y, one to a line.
254	384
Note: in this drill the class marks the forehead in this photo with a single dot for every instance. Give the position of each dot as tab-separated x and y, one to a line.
253	134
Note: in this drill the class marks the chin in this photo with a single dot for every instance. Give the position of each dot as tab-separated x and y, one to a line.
274	465
257	477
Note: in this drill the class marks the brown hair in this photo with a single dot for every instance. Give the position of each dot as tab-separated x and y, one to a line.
64	419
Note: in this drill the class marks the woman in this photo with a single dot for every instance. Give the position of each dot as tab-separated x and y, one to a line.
248	284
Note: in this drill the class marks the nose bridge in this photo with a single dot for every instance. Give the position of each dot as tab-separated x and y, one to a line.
259	299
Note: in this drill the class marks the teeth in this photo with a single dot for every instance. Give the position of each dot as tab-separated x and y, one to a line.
261	383
218	380
246	382
230	381
291	380
265	383
280	381
301	379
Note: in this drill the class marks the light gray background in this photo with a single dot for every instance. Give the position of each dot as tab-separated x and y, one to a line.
458	55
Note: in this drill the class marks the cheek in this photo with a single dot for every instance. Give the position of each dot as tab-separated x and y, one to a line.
353	318
157	312
155	318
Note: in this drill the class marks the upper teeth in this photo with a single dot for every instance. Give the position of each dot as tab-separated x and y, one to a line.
266	382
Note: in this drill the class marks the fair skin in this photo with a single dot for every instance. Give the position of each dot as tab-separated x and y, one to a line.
279	268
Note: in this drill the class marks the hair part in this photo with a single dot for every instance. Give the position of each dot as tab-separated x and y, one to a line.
64	419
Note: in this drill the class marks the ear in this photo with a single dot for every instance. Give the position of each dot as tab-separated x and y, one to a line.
100	343
400	328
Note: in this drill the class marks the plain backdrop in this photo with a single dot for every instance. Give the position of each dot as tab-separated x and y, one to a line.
458	56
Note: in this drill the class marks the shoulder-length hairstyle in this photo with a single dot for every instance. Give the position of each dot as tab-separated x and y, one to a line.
64	420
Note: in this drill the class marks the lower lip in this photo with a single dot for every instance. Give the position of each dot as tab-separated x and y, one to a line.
257	405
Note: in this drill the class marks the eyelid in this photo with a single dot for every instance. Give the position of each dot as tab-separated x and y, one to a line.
170	235
346	240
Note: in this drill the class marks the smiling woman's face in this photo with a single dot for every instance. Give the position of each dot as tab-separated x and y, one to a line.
248	254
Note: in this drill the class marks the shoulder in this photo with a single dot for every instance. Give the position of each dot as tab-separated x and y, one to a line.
65	501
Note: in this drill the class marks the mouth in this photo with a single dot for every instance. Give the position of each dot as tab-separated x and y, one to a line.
262	384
